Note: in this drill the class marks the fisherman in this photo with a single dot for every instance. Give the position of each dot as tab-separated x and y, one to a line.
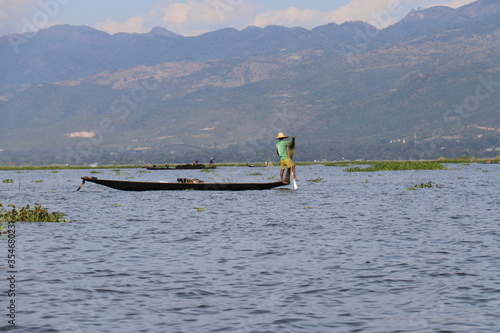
282	150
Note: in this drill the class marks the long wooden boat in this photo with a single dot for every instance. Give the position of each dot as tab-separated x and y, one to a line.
182	166
256	166
126	185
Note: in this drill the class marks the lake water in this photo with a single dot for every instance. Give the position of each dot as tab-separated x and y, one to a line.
358	252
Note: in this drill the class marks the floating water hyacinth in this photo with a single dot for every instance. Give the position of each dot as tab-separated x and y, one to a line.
316	180
422	185
28	214
397	166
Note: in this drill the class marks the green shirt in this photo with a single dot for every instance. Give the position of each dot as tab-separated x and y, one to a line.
281	148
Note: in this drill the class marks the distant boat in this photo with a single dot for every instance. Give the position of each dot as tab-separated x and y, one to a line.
257	166
181	166
125	185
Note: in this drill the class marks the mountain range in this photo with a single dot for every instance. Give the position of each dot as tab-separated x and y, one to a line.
425	87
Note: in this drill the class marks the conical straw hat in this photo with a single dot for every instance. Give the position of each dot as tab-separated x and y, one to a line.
281	136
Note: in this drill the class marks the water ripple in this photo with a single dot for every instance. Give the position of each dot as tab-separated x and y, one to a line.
346	256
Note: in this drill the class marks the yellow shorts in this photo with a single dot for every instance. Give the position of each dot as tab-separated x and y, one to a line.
286	163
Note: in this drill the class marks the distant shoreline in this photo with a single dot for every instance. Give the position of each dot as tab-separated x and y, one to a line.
239	164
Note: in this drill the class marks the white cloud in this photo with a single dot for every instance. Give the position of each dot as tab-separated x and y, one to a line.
307	18
452	3
12	13
191	18
198	16
131	25
177	13
380	13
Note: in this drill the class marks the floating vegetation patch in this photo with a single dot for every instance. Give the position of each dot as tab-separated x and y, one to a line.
207	170
117	205
399	166
271	178
37	181
7	181
95	171
255	174
144	171
30	214
423	185
199	209
316	180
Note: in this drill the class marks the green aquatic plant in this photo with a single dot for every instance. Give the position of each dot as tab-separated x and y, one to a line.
256	174
199	209
117	205
95	171
398	166
30	214
8	181
37	181
316	180
422	185
120	173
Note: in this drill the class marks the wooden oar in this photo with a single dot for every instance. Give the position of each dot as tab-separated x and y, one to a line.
81	185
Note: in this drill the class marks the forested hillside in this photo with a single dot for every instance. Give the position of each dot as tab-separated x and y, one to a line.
415	90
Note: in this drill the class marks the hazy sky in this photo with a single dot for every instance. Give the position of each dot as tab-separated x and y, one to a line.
193	17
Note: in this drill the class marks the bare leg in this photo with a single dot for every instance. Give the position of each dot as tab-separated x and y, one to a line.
293	173
282	171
